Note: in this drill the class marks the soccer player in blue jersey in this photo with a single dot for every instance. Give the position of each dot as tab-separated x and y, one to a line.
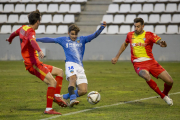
74	47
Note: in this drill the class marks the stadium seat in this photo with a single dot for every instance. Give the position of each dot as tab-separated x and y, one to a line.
53	8
51	29
119	19
69	19
176	18
14	0
58	0
57	18
15	27
108	18
147	8
179	7
129	1
171	7
163	0
130	18
5	1
37	0
141	0
46	18
62	29
48	0
23	18
26	1
113	29
172	29
41	29
6	29
9	8
160	29
75	8
165	18
149	28
113	8
69	0
1	7
124	8
144	17
42	7
154	18
152	0
81	0
159	7
20	8
104	30
136	8
30	7
13	18
124	29
64	8
3	18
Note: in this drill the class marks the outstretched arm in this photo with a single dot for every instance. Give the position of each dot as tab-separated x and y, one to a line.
162	43
46	40
94	35
122	48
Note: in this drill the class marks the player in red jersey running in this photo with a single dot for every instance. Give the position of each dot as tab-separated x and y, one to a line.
29	49
141	43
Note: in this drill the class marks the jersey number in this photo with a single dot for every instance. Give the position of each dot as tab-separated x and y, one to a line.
71	67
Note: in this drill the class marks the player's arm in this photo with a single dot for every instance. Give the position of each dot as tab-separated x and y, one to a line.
94	35
122	48
13	35
35	44
46	40
161	43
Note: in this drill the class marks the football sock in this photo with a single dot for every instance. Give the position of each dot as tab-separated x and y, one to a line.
71	93
59	80
154	86
47	109
67	96
76	92
167	88
50	96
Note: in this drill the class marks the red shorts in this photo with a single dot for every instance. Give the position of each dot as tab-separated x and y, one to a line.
152	66
39	70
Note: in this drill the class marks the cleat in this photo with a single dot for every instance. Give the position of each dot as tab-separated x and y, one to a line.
65	100
60	101
168	100
52	112
73	102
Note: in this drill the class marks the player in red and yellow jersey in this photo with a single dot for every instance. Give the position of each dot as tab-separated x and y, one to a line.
141	43
29	49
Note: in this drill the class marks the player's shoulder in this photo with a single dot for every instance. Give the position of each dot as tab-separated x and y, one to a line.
130	33
148	33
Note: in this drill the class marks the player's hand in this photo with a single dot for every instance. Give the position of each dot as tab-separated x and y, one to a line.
114	60
163	44
7	39
104	23
41	54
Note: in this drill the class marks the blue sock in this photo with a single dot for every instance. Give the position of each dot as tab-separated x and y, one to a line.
76	92
66	96
72	97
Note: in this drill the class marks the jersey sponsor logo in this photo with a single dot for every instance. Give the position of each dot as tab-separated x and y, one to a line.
69	45
139	44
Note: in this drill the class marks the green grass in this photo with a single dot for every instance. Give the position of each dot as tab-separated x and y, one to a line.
23	96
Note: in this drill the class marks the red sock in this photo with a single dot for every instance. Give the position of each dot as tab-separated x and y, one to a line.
50	96
167	88
154	86
59	84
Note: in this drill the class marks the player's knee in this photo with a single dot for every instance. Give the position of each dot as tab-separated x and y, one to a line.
83	92
53	82
144	74
61	73
170	81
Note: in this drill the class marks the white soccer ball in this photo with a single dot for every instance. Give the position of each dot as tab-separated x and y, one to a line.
93	97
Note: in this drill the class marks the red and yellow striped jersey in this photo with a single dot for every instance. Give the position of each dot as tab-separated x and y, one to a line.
141	45
29	54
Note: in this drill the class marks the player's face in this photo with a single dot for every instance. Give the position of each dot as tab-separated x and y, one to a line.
138	28
73	35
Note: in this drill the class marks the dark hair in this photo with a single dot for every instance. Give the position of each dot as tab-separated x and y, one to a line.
34	16
73	27
136	20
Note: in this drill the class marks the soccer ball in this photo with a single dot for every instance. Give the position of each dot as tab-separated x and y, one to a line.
93	97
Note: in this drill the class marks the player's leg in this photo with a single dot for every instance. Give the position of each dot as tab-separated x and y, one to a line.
72	85
168	81
82	89
43	73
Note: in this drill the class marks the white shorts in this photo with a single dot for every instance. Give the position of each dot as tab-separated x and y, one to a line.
75	69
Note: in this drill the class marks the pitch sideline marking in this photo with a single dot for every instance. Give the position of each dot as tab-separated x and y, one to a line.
120	103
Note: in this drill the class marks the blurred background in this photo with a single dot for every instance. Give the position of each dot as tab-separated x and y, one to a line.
161	17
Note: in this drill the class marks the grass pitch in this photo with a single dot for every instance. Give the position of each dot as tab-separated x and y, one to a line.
23	96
